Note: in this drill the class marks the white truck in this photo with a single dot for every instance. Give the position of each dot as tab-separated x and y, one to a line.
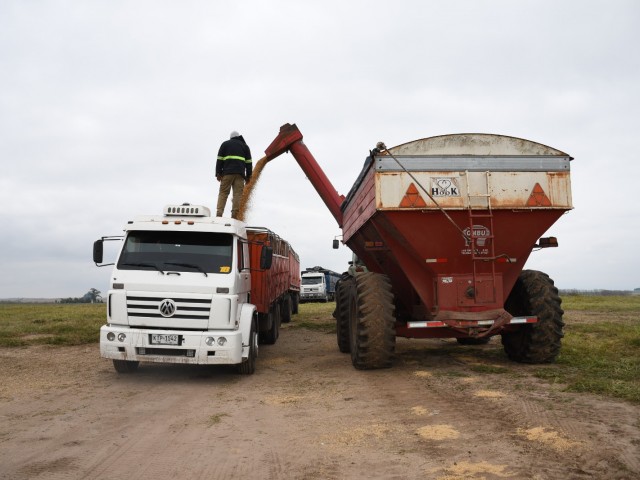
318	284
181	291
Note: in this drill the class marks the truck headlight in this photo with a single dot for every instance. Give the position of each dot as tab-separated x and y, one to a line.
209	341
121	337
111	336
222	341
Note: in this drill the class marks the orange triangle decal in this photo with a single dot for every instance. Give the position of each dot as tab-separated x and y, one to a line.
412	198
538	198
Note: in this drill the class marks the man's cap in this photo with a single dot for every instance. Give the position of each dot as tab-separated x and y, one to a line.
234	134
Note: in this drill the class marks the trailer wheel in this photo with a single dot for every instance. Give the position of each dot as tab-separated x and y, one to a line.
286	308
534	294
371	322
341	312
248	367
294	304
271	336
125	366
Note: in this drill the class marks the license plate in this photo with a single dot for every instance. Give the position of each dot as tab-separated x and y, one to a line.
165	339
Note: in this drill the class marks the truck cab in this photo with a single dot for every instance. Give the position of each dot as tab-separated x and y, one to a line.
180	292
314	288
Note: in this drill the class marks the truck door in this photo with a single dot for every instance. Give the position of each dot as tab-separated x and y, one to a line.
244	272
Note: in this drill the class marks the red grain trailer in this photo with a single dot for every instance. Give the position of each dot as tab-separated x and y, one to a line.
275	292
444	226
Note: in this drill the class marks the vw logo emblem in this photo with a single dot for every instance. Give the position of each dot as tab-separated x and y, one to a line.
167	307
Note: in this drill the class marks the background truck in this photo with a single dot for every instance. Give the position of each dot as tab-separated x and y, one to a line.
191	288
318	284
444	226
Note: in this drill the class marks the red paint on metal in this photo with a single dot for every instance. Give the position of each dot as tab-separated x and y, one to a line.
284	275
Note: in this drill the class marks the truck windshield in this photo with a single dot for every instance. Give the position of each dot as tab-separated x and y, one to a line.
177	252
311	280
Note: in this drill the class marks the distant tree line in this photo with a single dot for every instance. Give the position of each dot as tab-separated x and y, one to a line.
568	292
92	296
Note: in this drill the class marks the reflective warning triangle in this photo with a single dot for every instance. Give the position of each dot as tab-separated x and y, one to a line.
412	198
538	198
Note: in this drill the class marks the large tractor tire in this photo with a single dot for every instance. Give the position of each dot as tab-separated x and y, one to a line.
248	367
534	294
372	322
341	313
295	302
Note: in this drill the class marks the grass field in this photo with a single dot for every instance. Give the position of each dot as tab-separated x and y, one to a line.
600	356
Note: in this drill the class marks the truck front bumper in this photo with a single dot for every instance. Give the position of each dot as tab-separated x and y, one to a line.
312	296
202	348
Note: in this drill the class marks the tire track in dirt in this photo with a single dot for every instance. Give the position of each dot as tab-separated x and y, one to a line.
532	420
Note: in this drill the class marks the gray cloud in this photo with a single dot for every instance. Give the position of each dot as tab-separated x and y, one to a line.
113	109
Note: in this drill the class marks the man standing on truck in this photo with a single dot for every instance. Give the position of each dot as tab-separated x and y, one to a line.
233	170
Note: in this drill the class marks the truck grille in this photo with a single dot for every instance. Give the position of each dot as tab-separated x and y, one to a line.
185	308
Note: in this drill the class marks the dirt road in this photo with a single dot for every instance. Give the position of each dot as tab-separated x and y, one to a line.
441	413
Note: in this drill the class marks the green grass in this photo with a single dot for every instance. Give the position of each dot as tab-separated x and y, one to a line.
315	316
50	324
602	303
599	358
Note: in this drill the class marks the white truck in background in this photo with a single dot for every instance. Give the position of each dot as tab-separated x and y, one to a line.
318	285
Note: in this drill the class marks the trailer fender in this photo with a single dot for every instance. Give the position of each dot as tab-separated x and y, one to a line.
247	317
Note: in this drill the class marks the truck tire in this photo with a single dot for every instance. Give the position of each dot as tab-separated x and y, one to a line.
534	294
341	312
295	301
371	322
286	308
125	366
271	336
248	367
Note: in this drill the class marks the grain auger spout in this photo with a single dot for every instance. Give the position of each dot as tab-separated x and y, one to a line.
290	140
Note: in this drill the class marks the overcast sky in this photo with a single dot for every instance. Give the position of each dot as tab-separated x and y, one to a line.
112	109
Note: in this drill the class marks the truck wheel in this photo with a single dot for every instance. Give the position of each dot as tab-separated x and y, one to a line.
125	366
341	313
248	367
534	294
295	302
371	322
286	309
273	333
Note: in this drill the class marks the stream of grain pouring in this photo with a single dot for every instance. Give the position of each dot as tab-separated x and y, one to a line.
245	201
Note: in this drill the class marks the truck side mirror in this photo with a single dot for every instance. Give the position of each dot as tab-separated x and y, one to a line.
266	257
98	251
336	243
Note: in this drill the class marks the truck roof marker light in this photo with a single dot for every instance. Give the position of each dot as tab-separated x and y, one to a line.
178	222
165	222
191	222
187	209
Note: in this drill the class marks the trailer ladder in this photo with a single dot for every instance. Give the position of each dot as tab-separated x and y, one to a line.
475	235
